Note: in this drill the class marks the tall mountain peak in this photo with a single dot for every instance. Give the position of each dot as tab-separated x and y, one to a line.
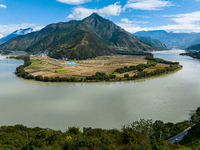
58	37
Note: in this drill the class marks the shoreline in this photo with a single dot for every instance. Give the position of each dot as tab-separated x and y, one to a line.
101	77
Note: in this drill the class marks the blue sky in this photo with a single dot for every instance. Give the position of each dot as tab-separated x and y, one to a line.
132	15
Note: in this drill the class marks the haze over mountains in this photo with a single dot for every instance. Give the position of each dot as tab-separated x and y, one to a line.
89	37
16	33
179	40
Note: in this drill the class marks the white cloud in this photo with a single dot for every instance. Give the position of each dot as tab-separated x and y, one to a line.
74	2
140	16
7	29
3	6
132	28
188	18
125	20
81	12
147	4
183	23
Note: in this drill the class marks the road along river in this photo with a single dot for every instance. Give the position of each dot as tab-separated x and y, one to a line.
171	98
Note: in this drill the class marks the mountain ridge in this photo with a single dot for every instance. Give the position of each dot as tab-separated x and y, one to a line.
180	40
16	33
105	30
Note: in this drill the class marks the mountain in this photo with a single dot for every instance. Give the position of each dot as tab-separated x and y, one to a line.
181	40
73	36
194	47
16	33
153	42
72	43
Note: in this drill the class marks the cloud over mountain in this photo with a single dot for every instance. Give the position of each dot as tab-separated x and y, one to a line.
81	12
74	2
7	29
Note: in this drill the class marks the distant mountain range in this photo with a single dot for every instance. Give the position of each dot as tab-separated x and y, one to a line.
153	42
16	33
90	37
180	40
194	47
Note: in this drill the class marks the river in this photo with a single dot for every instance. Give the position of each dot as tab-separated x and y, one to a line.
170	98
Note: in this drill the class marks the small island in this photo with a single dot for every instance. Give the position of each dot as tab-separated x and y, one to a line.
193	54
102	68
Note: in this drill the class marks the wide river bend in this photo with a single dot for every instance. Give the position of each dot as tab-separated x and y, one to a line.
171	98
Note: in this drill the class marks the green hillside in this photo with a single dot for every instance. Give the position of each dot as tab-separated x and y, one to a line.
23	42
72	43
70	38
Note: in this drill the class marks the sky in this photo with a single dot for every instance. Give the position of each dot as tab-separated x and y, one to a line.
132	15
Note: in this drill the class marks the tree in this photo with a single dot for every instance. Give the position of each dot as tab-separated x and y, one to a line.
126	75
46	79
39	78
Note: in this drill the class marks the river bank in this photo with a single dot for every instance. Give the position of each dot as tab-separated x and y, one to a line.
131	68
171	98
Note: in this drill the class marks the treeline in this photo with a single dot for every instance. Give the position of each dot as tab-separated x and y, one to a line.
159	60
132	53
156	72
139	67
54	79
20	72
137	136
152	62
98	76
142	74
192	54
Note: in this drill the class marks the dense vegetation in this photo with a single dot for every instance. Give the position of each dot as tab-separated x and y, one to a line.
140	135
157	72
98	76
192	54
133	53
192	139
20	72
139	67
136	136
